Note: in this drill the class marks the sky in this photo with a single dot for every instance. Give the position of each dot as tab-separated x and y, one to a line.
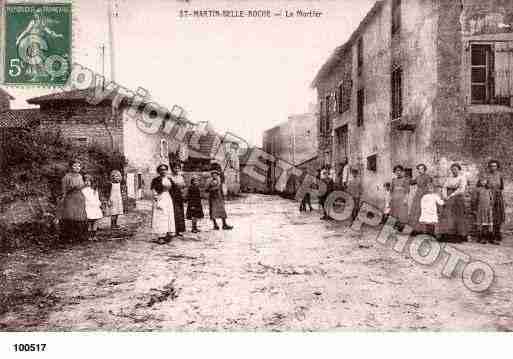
243	75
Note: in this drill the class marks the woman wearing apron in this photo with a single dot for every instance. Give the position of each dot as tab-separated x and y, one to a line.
162	222
73	222
496	186
177	188
422	181
399	191
453	225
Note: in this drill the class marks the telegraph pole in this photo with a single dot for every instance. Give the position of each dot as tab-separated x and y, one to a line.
112	13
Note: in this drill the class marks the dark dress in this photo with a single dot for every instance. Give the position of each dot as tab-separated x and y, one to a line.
177	185
73	222
355	189
216	200
453	222
422	182
194	207
399	190
329	188
496	186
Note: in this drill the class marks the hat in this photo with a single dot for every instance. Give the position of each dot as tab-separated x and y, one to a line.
162	167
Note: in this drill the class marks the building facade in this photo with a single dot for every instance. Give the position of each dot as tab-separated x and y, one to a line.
249	184
70	114
293	141
420	81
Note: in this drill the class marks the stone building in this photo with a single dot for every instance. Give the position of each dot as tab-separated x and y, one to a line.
420	81
247	165
71	114
293	141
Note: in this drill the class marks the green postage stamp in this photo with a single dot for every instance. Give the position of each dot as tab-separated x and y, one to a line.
37	44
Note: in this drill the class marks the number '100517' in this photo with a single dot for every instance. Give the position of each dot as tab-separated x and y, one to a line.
29	347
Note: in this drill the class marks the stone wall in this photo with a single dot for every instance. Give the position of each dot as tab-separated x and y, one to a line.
78	121
413	49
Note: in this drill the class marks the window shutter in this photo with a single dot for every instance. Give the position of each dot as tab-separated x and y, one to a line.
502	69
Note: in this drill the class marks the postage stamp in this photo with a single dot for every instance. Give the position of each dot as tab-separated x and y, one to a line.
37	44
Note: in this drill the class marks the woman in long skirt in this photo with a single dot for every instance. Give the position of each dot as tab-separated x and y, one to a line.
422	181
194	206
453	224
177	188
496	185
216	201
73	221
162	223
399	191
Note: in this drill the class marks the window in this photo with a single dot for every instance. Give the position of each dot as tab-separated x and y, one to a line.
321	118
344	95
397	97
140	181
359	51
360	103
481	74
327	118
372	163
396	16
164	149
341	134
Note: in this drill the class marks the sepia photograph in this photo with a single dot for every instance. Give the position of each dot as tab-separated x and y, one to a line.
255	166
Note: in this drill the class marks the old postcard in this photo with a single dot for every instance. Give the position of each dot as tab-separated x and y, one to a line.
305	165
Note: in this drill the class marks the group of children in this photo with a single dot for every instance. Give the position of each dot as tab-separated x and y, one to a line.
112	207
80	208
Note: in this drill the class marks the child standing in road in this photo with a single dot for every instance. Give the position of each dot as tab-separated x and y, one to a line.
306	201
484	211
194	206
92	206
115	199
429	210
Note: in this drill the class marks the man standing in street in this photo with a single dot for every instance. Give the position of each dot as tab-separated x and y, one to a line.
329	188
343	174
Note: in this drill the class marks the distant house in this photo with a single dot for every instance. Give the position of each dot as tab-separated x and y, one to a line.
210	150
293	141
249	184
76	119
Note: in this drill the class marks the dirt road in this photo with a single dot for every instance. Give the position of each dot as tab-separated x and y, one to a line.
277	270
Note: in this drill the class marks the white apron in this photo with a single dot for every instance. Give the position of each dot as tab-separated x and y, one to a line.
163	216
116	200
92	203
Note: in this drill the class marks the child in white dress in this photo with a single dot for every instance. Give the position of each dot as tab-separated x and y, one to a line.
92	206
429	210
